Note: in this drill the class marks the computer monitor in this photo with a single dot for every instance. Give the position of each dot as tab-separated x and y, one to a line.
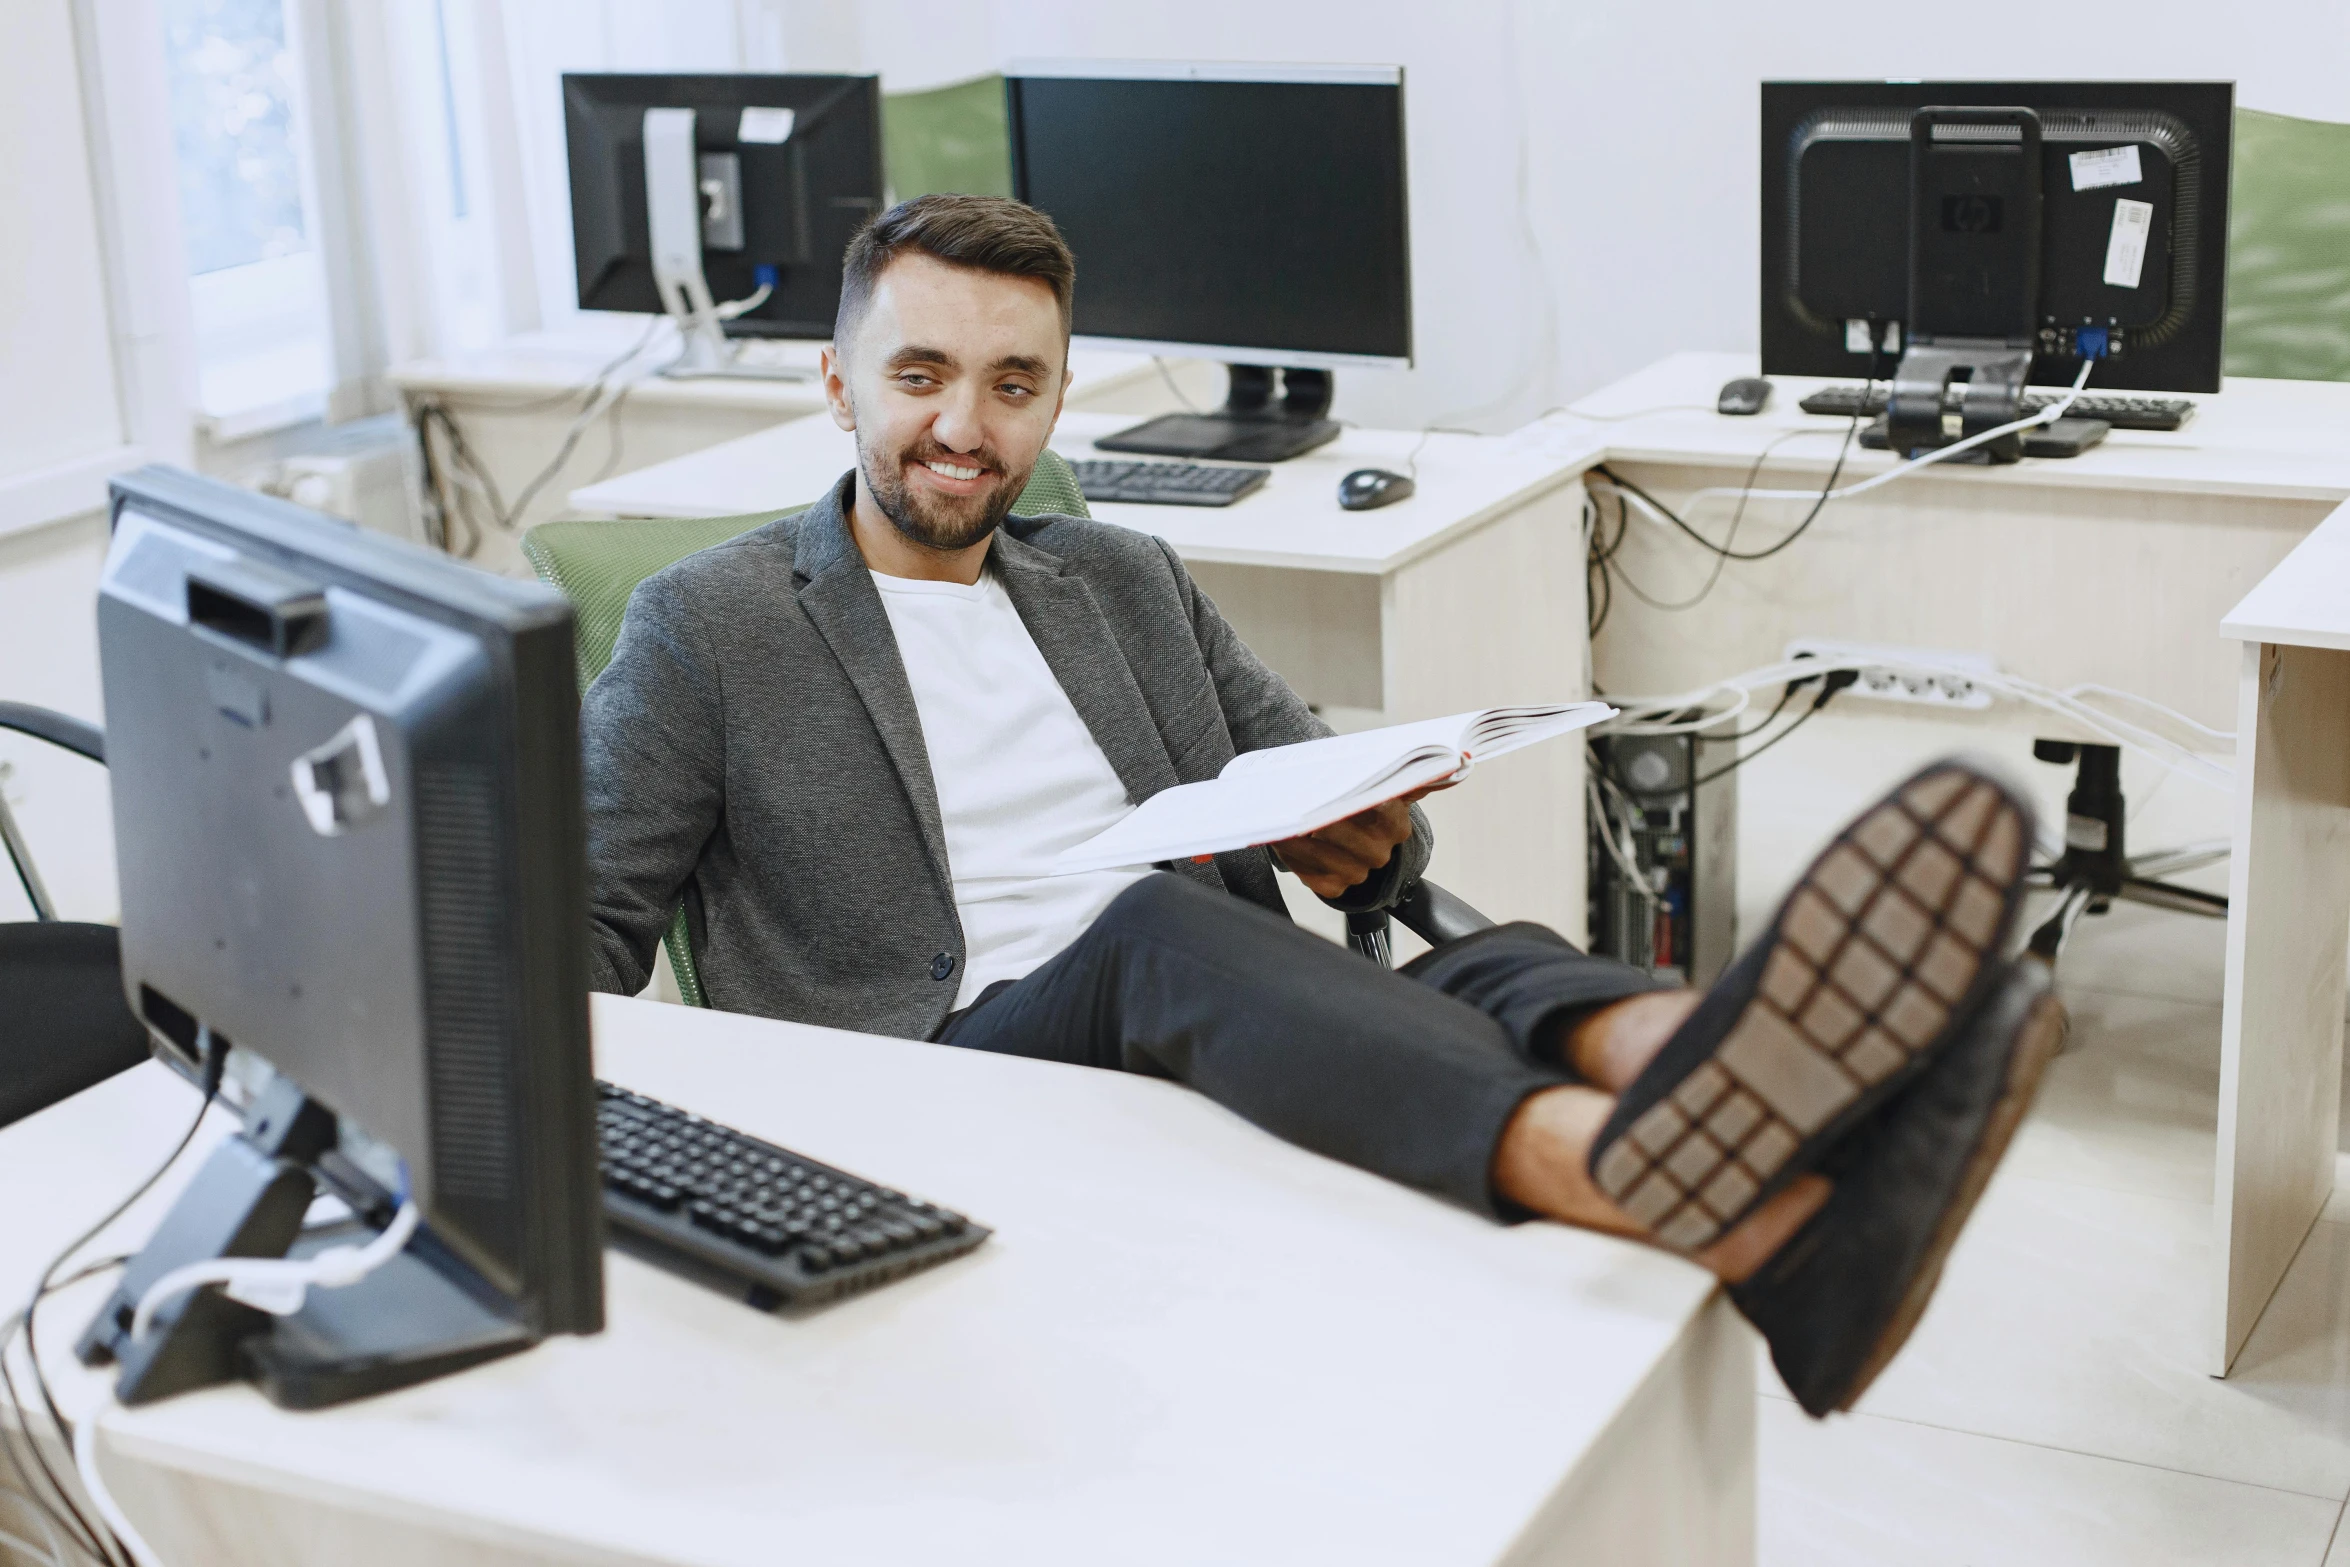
349	833
693	193
2052	221
1253	214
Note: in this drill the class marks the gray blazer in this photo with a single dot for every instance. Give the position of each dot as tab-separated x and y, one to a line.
753	748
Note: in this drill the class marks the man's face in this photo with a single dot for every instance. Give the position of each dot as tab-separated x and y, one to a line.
952	384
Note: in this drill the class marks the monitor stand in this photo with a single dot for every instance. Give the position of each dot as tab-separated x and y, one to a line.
678	221
1250	427
422	1315
1994	372
1974	259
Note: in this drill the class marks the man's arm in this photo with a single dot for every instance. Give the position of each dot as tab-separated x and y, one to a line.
1365	862
652	754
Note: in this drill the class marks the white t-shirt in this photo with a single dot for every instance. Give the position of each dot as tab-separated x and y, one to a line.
1018	775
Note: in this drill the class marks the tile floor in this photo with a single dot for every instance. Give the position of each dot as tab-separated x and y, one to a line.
2052	1407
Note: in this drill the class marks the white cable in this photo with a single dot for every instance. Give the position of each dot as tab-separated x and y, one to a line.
85	1463
2048	415
53	1553
743	306
278	1284
1626	860
2091	688
1661	715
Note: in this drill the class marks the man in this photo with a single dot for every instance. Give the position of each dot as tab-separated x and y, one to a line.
851	742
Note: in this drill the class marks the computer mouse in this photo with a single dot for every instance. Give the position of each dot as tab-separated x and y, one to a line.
1368	489
1746	395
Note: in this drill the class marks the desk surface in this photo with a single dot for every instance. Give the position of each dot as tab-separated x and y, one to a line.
2280	439
534	365
1187	1342
1293	520
2305	601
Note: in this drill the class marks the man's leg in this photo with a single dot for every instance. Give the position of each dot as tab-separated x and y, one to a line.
1331	1052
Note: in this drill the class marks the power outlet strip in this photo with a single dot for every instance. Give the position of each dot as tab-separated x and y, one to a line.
1922	676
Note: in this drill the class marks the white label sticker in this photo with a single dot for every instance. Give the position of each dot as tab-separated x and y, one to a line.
2106	166
2125	248
774	125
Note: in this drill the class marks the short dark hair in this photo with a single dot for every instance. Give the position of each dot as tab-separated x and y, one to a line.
989	233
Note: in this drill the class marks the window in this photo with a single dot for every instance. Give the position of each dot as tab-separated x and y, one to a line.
262	335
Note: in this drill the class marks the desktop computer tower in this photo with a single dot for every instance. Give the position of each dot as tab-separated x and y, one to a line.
1670	805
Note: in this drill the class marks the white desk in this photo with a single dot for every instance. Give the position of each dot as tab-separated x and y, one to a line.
510	403
1188	1342
2112	567
2288	926
1468	594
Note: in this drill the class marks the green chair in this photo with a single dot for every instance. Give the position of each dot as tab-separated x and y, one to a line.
2288	311
947	139
597	565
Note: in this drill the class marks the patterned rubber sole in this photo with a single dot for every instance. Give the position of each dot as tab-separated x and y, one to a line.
1874	951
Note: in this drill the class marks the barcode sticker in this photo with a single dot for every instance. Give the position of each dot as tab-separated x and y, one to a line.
2125	248
2106	166
771	126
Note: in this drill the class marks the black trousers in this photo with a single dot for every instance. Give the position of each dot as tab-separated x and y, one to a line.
1411	1074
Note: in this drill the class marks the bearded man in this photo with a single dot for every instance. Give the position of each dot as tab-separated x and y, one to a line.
851	742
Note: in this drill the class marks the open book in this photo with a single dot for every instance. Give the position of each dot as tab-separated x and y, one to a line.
1288	790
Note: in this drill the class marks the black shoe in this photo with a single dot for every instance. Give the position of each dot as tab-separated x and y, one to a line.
1838	1301
1872	965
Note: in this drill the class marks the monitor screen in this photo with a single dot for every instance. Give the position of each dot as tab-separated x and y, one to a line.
1253	214
2133	219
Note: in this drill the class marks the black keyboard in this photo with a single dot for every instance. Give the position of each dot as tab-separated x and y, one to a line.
756	1220
2123	413
1167	483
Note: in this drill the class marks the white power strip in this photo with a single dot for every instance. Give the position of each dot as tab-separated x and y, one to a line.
1926	677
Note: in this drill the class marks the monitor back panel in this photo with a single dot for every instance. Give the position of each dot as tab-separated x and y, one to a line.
803	197
412	957
1836	220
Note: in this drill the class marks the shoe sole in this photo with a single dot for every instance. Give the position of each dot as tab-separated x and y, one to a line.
2038	1042
1876	959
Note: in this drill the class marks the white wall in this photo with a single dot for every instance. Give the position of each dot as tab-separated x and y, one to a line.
58	404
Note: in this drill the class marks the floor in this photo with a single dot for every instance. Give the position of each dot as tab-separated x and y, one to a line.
2052	1407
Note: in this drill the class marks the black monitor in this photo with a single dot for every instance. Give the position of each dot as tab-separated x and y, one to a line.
751	183
350	839
2063	220
1253	214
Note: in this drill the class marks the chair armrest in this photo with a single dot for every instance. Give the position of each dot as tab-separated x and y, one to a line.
56	728
1436	916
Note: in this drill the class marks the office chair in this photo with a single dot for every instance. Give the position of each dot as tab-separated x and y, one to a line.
64	1024
2096	867
597	565
2288	307
947	139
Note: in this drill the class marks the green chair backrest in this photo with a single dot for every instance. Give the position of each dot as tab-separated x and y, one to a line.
2289	249
947	139
598	565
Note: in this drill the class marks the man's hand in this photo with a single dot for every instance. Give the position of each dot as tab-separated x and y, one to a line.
1343	853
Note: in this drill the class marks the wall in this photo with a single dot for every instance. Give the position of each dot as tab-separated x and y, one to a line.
58	407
